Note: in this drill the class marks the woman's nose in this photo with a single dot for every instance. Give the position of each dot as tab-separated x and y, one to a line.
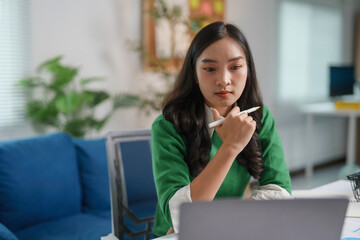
224	78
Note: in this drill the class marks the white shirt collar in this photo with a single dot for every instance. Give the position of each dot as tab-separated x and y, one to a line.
209	118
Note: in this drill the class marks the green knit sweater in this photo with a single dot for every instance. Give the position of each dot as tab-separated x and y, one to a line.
172	173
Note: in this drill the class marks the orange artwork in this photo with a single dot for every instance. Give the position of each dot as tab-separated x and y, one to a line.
168	33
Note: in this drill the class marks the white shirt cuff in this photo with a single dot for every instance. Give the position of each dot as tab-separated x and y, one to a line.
270	191
181	196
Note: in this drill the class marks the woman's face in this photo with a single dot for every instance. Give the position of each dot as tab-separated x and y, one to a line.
221	71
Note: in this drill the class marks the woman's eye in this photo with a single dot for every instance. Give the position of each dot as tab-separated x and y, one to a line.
210	69
235	67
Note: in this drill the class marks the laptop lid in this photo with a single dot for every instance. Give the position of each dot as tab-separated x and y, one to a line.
230	219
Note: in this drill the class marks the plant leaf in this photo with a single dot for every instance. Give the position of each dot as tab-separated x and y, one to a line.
176	13
97	97
62	76
31	82
42	112
76	127
125	100
48	65
86	81
71	102
97	124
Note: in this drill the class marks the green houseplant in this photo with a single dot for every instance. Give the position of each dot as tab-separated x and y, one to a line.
66	104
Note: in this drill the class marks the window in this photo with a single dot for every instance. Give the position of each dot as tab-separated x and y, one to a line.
310	40
15	60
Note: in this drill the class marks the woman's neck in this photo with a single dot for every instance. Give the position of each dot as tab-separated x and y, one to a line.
224	111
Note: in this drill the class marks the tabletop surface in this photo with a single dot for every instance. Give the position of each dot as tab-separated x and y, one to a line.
327	108
337	186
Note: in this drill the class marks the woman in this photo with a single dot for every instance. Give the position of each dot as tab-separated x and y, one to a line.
192	162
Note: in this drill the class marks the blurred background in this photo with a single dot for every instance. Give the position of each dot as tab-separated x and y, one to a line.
111	44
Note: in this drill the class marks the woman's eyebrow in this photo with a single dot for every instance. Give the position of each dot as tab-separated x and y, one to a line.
236	58
207	60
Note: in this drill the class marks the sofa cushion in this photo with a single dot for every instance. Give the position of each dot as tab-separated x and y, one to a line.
39	180
94	174
5	233
80	226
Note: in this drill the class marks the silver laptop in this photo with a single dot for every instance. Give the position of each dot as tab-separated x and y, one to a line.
233	219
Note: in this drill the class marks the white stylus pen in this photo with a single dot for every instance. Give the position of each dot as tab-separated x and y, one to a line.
219	122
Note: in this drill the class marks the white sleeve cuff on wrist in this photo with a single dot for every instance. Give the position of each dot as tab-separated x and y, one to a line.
181	196
270	191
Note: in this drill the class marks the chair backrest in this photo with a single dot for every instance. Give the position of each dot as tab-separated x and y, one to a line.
130	170
136	161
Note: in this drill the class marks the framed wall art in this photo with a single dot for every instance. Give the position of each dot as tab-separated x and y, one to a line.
170	25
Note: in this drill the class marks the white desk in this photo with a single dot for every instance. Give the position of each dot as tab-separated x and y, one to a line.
338	187
351	223
173	236
328	109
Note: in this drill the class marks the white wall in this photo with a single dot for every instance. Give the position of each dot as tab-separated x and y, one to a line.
92	34
258	20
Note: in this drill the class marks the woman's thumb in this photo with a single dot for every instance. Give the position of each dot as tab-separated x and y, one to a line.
216	114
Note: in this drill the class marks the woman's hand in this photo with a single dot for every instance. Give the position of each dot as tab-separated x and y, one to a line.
171	230
236	131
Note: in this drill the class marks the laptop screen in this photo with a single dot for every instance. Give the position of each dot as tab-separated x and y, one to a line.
295	219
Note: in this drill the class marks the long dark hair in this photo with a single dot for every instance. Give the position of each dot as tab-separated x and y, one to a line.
184	105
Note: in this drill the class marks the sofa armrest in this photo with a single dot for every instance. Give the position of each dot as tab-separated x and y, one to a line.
6	234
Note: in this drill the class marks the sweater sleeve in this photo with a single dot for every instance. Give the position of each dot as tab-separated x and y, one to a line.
275	169
171	172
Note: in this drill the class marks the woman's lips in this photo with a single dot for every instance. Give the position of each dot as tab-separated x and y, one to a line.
223	94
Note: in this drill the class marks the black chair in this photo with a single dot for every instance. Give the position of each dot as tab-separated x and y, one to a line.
133	194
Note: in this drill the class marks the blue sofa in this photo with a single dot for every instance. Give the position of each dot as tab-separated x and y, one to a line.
54	187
